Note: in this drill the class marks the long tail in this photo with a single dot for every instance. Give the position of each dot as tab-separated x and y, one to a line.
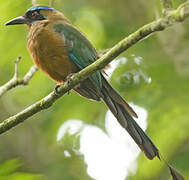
123	112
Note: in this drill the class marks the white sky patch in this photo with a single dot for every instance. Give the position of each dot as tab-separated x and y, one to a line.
108	156
113	65
67	154
71	126
138	60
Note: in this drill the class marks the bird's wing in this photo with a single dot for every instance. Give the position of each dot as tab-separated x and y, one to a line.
80	50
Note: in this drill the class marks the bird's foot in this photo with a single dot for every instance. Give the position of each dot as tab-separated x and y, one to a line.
56	89
68	79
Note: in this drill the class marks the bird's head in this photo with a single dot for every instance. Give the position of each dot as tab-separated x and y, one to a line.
35	14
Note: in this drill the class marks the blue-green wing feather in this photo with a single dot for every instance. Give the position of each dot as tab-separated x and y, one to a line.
80	50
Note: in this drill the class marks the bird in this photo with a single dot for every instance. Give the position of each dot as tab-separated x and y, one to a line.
59	49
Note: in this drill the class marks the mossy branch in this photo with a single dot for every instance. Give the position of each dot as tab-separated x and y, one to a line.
178	15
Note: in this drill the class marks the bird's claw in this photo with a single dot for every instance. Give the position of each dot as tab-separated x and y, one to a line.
56	89
68	78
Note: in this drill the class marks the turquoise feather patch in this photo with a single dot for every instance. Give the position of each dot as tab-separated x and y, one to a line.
80	50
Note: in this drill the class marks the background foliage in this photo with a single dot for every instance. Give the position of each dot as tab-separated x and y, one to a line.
30	151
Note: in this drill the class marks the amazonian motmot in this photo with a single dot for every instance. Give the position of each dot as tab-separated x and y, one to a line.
60	49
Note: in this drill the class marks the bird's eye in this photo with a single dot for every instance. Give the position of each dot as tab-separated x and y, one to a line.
34	15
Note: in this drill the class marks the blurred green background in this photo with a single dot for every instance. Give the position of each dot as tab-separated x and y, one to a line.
159	83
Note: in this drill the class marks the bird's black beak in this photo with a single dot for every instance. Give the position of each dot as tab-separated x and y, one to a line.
18	20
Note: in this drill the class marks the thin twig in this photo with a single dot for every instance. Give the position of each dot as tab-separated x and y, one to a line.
16	67
15	81
33	69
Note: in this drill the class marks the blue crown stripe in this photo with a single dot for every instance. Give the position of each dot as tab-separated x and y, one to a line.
40	8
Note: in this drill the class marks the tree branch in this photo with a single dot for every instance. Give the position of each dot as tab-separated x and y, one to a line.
178	15
15	81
